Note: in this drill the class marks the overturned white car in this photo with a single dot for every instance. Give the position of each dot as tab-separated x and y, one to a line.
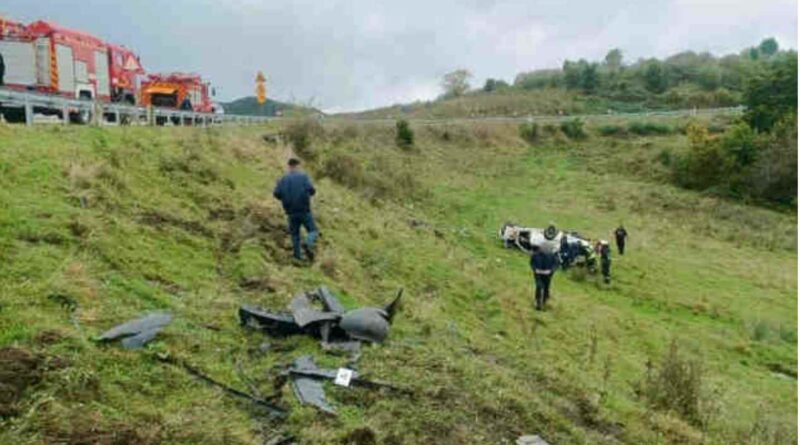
569	247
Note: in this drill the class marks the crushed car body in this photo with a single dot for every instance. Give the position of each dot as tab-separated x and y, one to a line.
571	248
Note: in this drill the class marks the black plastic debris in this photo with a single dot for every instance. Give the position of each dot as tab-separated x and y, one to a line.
272	409
307	382
137	333
308	389
320	314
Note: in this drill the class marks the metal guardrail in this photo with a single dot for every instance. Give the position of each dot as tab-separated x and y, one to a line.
104	113
546	118
115	113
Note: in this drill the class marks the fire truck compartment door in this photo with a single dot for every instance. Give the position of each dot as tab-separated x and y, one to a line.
101	71
66	69
20	61
43	62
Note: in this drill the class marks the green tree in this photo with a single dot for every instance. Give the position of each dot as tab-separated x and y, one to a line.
655	77
572	75
768	46
613	60
590	79
772	94
709	77
456	83
494	85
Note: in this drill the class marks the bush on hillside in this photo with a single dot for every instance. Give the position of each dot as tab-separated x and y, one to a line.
301	133
376	178
742	163
612	130
529	132
405	135
676	385
573	129
649	128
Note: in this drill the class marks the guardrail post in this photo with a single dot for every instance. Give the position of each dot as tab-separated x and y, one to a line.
28	111
65	115
97	115
150	116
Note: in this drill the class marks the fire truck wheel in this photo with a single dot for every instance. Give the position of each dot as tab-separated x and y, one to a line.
83	117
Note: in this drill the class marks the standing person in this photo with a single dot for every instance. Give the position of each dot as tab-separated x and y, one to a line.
620	234
295	190
543	265
605	261
2	71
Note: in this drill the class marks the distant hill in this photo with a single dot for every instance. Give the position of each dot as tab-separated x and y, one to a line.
249	106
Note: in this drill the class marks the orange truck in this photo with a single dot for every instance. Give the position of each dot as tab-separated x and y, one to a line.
186	92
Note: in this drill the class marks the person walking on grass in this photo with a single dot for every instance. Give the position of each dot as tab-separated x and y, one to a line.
620	234
295	190
543	265
605	261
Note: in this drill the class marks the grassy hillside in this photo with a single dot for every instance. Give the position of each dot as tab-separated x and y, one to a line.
120	221
249	106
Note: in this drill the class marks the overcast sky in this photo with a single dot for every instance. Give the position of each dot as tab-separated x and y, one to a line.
360	54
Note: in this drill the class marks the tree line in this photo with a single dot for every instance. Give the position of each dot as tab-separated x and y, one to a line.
684	80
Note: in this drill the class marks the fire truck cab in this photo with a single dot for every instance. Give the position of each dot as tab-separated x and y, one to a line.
187	92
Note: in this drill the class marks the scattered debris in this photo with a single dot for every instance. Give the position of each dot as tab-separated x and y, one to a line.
274	410
531	440
309	390
338	329
307	380
280	440
136	333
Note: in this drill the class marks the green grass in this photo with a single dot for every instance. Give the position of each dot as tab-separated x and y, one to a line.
183	220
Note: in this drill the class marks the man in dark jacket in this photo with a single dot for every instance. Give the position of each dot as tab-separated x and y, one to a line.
620	234
543	265
605	261
295	190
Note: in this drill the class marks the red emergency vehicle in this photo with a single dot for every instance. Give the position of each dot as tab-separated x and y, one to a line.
177	90
48	58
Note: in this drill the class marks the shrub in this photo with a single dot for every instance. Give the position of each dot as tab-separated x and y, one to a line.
550	129
612	130
300	133
529	132
344	169
677	385
649	128
573	129
405	135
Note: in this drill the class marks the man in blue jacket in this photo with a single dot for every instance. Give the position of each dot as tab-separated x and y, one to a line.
295	190
543	265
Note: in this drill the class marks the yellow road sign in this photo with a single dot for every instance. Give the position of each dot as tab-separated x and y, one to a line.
261	88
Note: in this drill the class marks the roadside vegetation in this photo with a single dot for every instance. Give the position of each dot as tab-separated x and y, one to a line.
694	342
613	85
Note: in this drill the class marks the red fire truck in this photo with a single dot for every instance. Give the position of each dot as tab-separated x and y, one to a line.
177	90
47	58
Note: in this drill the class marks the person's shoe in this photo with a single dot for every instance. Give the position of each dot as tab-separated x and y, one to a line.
309	252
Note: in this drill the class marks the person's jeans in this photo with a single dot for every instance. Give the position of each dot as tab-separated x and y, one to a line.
542	289
305	220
